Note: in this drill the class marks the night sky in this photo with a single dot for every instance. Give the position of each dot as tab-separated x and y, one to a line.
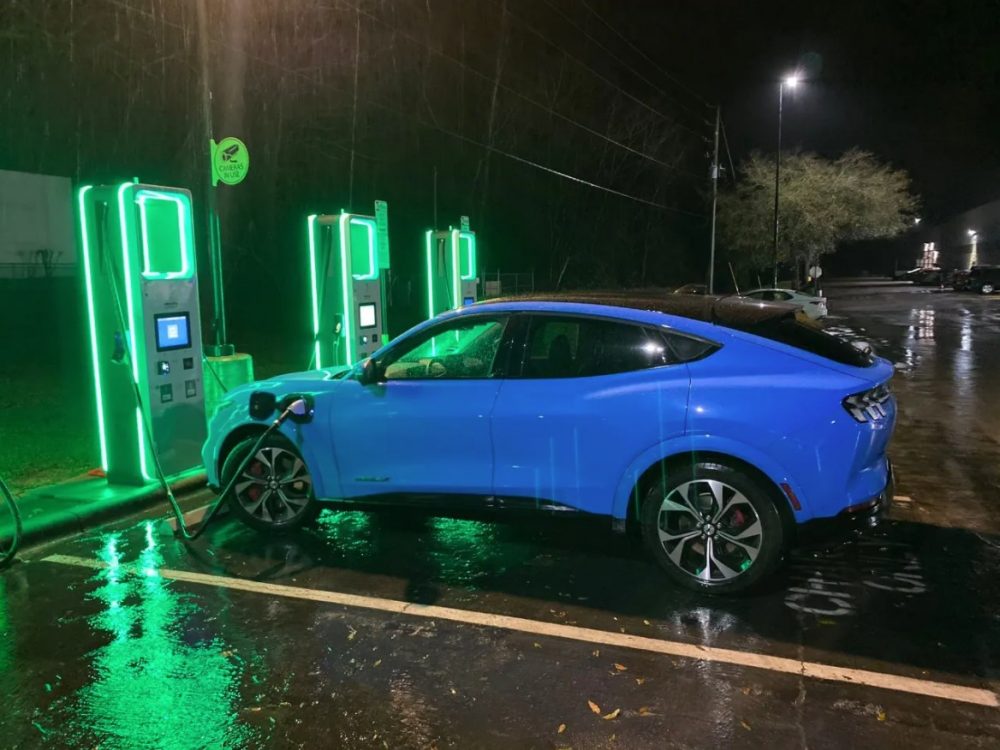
914	82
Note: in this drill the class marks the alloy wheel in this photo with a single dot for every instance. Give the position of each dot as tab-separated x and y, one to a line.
275	487
709	530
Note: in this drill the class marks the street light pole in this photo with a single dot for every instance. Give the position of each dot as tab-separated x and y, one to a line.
791	81
777	183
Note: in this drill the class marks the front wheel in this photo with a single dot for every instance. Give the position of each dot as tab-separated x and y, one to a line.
274	491
712	528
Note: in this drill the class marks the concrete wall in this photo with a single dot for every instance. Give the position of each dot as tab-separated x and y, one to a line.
36	226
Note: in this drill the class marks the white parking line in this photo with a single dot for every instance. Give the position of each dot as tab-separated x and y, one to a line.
815	670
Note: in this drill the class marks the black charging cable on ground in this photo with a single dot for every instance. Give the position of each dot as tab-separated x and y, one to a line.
6	555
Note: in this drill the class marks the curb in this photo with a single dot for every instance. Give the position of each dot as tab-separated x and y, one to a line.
83	504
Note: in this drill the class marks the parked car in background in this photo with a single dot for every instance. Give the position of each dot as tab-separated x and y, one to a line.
814	307
692	289
960	279
984	279
930	276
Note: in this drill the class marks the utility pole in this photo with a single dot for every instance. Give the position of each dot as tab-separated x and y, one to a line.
218	347
715	200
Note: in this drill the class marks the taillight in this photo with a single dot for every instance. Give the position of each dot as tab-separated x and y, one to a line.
869	406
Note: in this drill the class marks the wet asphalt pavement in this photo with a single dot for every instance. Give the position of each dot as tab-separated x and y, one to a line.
126	655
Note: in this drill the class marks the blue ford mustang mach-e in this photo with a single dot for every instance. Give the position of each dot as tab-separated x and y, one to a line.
718	425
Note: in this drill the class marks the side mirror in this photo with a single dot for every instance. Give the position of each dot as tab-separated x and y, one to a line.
371	373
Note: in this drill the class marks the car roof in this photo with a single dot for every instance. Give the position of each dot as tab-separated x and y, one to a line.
729	311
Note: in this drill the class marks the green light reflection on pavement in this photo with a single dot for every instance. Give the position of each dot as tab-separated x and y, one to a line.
6	635
163	681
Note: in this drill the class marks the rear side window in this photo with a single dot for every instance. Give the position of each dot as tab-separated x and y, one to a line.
788	330
688	348
574	347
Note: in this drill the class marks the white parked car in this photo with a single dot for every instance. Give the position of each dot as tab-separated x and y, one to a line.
814	307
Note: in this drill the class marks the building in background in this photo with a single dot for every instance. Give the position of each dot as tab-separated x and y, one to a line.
36	226
968	239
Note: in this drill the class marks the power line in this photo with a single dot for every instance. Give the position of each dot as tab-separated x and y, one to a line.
618	59
597	74
644	56
515	92
411	118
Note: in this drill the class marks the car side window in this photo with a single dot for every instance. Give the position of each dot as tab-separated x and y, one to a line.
755	295
687	348
782	296
572	347
465	348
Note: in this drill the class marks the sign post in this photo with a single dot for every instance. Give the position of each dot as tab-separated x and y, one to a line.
230	163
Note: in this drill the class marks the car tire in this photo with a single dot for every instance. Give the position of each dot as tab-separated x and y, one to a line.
710	512
986	289
277	494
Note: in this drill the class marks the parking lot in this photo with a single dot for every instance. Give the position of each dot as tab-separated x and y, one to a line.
396	630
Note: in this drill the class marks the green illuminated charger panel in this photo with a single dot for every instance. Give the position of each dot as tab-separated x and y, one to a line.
144	328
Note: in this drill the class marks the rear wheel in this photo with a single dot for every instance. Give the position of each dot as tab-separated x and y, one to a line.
986	289
713	528
274	491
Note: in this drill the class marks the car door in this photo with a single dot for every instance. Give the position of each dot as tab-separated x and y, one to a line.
425	427
584	399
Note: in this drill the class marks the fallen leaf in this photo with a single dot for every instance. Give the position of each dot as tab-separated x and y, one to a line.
639	680
596	652
537	645
644	711
745	725
377	662
594	707
612	715
620	667
561	729
880	716
646	622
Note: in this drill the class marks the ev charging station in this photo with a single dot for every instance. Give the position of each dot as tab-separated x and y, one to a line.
348	276
452	270
139	266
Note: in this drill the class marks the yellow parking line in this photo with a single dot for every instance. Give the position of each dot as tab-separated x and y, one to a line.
814	670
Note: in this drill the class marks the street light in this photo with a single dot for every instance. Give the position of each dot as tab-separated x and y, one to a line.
791	81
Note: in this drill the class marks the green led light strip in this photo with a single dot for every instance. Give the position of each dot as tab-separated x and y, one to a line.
95	360
130	334
428	240
148	195
372	263
348	332
470	238
311	222
456	281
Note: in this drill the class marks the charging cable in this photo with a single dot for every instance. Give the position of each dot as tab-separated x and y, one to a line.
6	555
